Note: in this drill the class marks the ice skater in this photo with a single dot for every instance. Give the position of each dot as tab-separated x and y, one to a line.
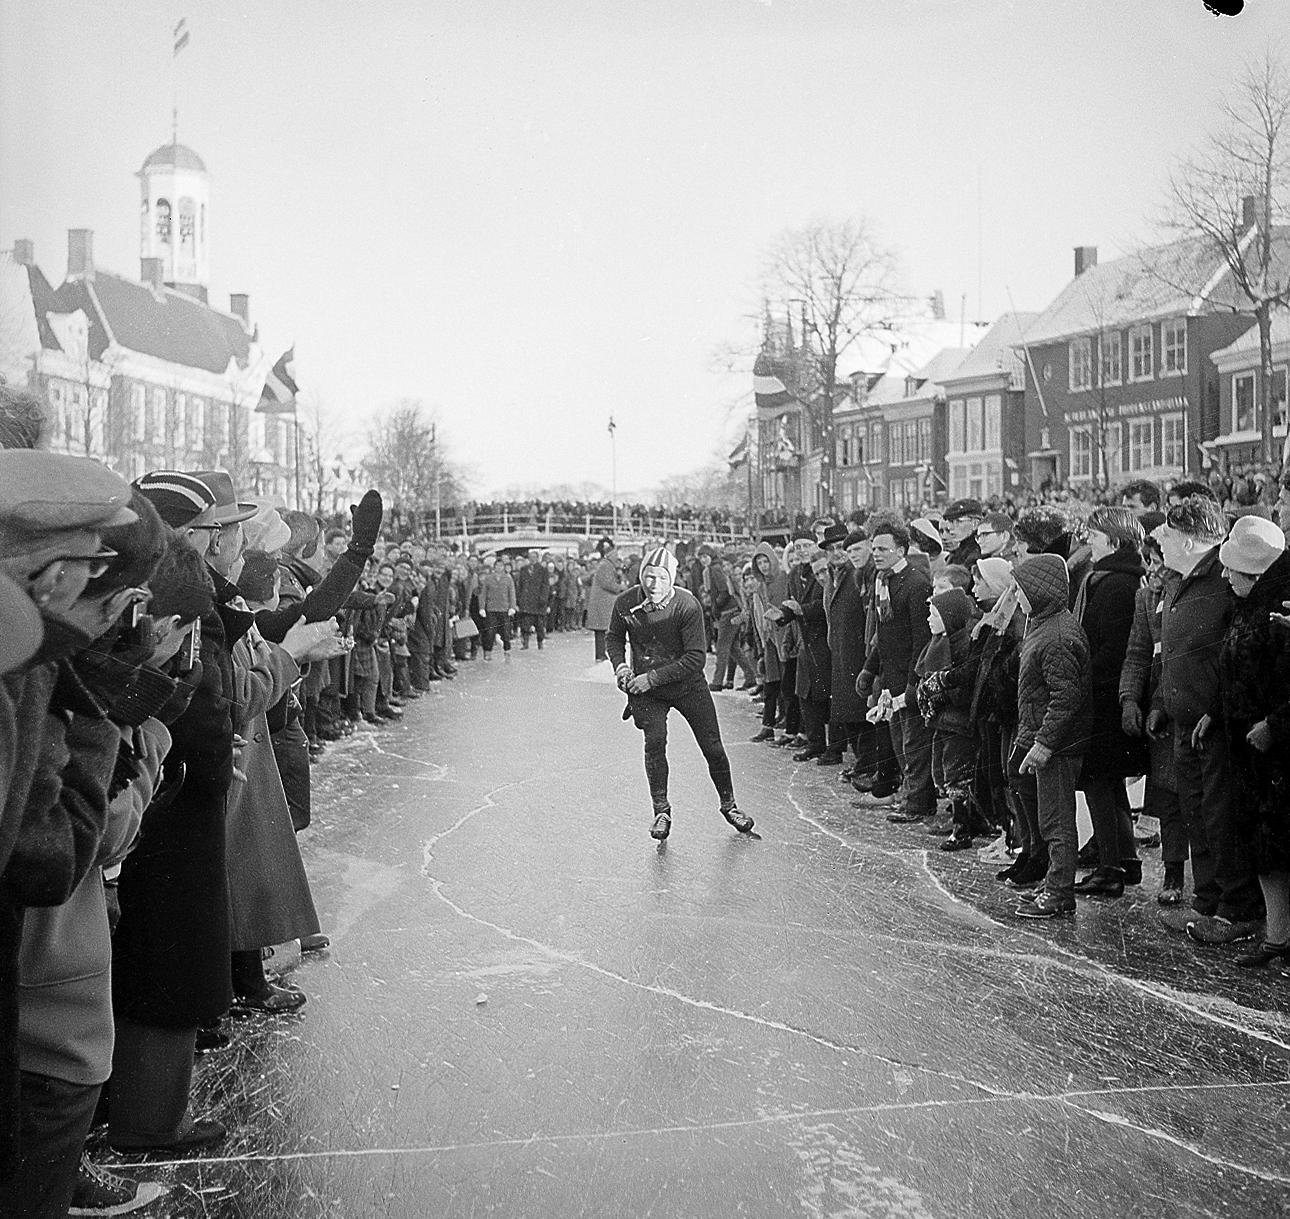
669	646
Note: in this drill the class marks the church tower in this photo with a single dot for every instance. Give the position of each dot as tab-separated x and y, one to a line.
175	190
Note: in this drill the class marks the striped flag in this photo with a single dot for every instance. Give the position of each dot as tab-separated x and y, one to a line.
181	35
768	383
279	393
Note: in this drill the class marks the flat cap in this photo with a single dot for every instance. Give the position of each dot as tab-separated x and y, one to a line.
181	500
964	507
51	493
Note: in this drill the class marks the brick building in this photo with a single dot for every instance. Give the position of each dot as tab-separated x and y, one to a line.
1119	378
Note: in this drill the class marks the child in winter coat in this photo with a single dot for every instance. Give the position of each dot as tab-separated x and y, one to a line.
944	707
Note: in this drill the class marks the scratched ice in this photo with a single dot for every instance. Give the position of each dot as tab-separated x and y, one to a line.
831	1021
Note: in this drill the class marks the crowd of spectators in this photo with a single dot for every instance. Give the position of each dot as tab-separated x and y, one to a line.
174	655
979	668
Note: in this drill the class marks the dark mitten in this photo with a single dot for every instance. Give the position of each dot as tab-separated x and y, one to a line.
366	514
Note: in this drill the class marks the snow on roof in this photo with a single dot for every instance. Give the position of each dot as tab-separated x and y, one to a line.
167	325
1152	283
906	346
998	351
892	387
1249	341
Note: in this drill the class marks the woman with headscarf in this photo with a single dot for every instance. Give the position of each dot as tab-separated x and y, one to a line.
666	629
769	592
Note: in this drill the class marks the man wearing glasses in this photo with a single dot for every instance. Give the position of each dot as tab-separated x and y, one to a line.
994	537
963	517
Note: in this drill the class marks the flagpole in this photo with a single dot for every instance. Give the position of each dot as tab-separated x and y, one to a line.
295	431
613	474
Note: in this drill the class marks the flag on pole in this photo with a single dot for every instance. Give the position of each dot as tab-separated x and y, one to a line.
279	393
612	425
741	452
768	383
181	35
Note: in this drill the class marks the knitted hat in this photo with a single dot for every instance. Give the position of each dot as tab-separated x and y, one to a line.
955	608
996	574
1253	546
181	500
256	580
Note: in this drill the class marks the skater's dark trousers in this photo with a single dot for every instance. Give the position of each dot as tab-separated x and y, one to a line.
694	702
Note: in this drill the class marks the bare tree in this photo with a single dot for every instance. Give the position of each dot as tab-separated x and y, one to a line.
1232	193
842	278
406	460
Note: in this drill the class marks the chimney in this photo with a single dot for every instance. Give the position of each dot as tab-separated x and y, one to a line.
80	253
150	273
1085	257
24	252
240	303
1248	216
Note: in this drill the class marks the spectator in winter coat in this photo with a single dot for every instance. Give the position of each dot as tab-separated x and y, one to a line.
963	517
1053	721
533	598
814	664
770	588
943	705
1104	606
728	610
901	594
846	610
497	604
1254	669
1139	691
1197	612
606	585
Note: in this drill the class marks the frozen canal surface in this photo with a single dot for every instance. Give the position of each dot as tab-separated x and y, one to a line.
530	1009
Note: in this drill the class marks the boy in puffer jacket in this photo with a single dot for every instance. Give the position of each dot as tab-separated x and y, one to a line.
1054	721
943	706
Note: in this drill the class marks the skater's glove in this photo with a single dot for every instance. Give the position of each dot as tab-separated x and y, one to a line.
622	675
1130	718
640	683
1036	759
898	703
864	683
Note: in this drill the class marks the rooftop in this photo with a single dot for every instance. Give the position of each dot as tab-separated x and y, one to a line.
173	155
997	351
1185	277
167	325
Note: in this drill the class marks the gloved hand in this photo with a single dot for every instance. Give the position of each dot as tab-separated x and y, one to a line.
1131	718
366	516
864	683
1036	759
622	675
898	703
1157	723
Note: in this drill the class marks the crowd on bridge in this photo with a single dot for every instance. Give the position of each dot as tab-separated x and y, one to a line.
174	655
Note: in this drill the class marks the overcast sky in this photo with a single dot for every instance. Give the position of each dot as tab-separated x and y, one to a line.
530	215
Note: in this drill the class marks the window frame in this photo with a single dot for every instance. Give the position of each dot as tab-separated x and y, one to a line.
1115	341
1082	432
957	427
1080	359
1135	446
1144	358
1167	422
992	410
1253	379
1174	327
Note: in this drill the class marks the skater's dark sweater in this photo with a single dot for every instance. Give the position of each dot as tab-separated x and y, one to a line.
669	644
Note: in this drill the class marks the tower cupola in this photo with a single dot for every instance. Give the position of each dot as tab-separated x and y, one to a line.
175	199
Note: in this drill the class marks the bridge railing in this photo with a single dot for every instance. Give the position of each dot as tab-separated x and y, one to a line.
564	525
